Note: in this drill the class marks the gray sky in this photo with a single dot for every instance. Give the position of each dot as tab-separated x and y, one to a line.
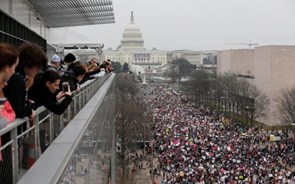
197	24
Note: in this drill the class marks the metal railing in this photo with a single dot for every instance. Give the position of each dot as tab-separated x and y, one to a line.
13	161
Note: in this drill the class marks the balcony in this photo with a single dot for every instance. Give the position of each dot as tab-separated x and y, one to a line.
77	146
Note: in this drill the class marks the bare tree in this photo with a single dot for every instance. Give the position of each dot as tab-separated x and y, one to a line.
173	73
184	67
198	83
242	97
128	124
177	69
226	88
286	106
261	102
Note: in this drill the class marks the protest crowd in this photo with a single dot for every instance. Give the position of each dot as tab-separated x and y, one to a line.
195	147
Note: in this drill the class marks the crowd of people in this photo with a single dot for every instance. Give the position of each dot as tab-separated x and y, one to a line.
196	147
28	79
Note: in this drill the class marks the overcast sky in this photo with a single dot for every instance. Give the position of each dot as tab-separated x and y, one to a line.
197	24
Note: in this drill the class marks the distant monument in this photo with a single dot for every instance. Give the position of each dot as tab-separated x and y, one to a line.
144	80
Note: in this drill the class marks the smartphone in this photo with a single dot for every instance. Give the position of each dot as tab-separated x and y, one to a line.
2	101
65	86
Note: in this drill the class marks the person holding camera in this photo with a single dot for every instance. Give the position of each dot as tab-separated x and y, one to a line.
74	76
45	92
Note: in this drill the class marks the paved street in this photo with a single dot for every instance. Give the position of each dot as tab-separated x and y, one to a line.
142	176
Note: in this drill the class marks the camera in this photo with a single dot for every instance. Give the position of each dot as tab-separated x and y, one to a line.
65	86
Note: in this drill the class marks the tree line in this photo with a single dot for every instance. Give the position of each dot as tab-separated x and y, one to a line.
231	94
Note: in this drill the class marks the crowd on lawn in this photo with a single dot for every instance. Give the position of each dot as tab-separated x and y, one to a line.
195	147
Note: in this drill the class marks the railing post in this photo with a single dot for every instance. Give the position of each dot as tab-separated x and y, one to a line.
87	95
80	100
61	123
37	137
75	103
14	151
69	113
84	98
51	127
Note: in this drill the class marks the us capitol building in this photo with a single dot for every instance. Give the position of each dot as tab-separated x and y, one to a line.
132	50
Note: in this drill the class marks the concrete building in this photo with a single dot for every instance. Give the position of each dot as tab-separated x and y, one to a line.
238	61
196	58
132	50
271	69
193	57
274	71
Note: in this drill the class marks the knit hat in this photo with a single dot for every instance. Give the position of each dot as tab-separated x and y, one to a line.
55	58
69	58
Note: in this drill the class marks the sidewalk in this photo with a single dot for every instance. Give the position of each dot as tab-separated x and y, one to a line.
143	176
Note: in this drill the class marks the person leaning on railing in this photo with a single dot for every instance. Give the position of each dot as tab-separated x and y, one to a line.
93	65
73	77
9	56
107	65
31	60
43	92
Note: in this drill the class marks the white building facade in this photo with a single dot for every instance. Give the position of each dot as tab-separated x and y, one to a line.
132	50
196	58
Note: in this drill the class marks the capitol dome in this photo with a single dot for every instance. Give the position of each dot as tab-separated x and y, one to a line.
132	37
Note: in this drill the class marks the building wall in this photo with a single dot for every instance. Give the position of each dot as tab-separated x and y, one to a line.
169	57
23	13
193	58
272	66
275	67
223	61
146	58
263	72
263	69
243	61
238	61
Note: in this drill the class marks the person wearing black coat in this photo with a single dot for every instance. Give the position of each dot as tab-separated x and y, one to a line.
43	92
73	77
32	59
